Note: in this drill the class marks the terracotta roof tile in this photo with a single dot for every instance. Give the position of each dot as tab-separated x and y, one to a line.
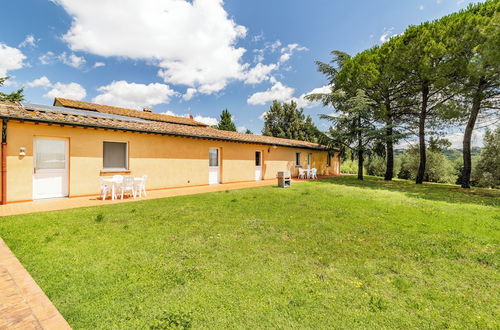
9	111
67	103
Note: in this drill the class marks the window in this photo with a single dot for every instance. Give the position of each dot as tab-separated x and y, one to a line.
115	156
308	159
257	158
213	157
328	160
297	159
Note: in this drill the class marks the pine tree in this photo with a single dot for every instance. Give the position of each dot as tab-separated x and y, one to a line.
287	121
226	121
12	97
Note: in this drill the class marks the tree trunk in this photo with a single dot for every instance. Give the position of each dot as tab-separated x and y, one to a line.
389	169
421	134
360	164
476	106
360	151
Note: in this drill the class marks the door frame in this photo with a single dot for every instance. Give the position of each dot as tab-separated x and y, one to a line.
219	172
261	166
67	140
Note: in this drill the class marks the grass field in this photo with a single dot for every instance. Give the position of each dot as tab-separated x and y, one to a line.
332	253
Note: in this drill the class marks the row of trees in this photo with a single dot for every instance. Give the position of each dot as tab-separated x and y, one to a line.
434	75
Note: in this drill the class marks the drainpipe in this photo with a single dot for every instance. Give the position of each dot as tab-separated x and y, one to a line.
4	162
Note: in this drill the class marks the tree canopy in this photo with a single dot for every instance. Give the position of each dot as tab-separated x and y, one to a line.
16	96
286	120
226	121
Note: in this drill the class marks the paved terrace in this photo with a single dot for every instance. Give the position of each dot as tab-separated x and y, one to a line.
76	202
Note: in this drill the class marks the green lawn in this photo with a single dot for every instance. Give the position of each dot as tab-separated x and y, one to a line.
332	253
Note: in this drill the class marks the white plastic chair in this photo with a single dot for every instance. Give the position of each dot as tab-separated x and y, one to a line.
302	173
140	185
127	186
313	174
105	188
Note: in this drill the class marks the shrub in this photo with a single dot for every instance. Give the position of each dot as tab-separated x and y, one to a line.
438	167
487	171
375	165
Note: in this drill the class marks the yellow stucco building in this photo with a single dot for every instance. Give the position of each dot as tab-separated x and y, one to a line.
63	150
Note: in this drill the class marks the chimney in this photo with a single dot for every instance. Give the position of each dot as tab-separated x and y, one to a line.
191	117
147	110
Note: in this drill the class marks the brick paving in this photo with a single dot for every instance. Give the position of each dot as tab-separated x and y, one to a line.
23	305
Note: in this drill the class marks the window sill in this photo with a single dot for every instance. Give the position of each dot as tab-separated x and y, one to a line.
115	171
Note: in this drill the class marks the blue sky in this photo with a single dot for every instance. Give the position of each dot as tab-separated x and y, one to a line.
192	57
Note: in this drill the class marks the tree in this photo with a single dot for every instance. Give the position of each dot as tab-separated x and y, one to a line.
287	121
480	83
12	97
353	127
247	131
425	59
226	121
438	169
487	172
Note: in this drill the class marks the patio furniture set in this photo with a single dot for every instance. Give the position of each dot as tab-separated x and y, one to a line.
120	186
308	173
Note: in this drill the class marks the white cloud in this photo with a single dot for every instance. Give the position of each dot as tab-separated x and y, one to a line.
131	95
190	92
259	73
278	92
28	41
71	91
40	82
192	42
99	64
387	34
285	94
263	115
421	7
241	129
202	119
288	51
10	59
303	103
72	60
47	58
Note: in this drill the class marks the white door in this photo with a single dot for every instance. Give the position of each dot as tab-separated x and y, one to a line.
213	166
50	178
258	166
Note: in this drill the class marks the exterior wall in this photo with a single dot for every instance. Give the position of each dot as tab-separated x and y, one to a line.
167	160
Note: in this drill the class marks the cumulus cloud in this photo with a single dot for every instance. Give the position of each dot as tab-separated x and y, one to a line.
10	59
202	119
28	41
71	91
192	42
190	92
259	73
99	64
287	52
40	82
47	58
283	93
278	92
131	95
72	60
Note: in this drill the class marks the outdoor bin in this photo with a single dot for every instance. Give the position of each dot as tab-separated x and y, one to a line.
284	179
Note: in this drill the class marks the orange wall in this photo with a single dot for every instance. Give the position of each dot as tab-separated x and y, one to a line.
168	161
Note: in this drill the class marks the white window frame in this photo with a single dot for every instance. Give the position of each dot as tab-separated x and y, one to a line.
114	169
328	160
297	164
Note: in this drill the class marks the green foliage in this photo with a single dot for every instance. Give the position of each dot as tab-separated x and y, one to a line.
334	253
349	166
226	121
287	121
375	165
12	97
247	131
438	169
487	170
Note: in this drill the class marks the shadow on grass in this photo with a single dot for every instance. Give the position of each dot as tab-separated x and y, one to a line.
430	191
